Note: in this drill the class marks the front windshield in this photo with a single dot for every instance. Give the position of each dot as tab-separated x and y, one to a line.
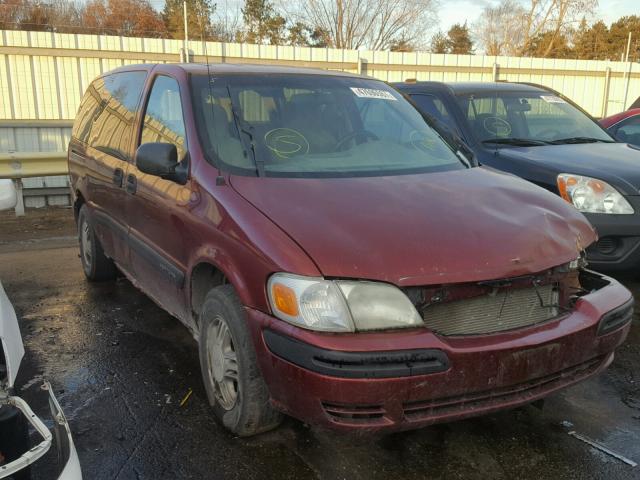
527	118
314	125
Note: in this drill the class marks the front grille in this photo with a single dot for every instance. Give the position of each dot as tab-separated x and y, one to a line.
520	393
502	309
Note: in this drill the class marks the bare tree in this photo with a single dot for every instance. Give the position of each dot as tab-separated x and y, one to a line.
373	24
566	15
500	29
510	27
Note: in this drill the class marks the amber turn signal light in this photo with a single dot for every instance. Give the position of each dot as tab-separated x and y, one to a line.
284	299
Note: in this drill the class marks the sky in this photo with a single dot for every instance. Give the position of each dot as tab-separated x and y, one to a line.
455	11
459	11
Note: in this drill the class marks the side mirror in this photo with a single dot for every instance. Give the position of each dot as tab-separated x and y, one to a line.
161	159
8	196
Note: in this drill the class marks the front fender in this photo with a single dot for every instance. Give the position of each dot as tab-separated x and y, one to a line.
241	242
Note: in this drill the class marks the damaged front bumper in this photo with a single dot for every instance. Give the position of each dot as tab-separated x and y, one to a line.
396	380
66	450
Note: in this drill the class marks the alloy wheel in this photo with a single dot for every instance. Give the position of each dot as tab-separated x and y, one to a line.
86	239
222	363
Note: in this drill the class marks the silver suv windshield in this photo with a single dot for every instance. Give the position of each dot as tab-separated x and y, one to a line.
314	126
527	119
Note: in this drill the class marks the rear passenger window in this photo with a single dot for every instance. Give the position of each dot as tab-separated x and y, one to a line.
117	98
163	120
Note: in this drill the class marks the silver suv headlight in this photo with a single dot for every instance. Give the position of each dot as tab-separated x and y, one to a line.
341	305
592	195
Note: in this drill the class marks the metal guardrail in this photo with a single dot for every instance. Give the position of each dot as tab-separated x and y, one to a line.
21	165
33	164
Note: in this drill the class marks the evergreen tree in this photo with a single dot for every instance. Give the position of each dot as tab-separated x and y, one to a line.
539	46
439	43
402	45
298	35
199	13
619	35
592	43
459	40
263	24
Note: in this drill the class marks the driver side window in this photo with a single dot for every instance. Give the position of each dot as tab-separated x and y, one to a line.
163	119
488	117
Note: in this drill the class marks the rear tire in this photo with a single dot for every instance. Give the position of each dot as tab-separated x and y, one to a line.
233	381
96	265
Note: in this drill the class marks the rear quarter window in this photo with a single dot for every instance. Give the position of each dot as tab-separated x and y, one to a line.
89	107
107	113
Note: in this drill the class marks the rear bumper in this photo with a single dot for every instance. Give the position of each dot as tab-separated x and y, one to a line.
66	449
471	375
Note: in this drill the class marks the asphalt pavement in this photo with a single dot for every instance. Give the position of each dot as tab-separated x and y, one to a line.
121	368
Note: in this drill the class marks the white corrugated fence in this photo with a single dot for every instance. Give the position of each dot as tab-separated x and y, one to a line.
43	76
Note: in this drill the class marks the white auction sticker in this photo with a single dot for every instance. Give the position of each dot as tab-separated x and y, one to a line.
552	99
373	93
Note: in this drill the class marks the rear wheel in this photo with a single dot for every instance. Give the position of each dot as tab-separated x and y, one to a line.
96	265
235	387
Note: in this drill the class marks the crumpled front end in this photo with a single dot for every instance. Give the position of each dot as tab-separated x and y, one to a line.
484	347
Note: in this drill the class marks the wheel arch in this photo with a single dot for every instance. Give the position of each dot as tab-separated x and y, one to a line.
204	276
77	203
207	273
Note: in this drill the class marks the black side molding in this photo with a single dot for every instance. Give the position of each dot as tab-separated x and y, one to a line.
616	318
397	363
165	266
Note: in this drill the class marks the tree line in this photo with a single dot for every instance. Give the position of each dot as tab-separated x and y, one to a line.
555	29
535	28
375	24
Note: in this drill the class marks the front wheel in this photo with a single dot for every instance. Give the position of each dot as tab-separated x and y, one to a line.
235	387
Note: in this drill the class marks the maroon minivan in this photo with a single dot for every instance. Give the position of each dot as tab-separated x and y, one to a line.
335	258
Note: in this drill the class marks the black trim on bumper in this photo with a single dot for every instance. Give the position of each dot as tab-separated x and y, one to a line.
616	318
398	363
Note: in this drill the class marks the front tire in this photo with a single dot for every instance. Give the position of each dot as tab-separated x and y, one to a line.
96	265
235	387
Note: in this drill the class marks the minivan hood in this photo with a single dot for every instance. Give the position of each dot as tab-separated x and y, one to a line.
616	163
10	338
448	227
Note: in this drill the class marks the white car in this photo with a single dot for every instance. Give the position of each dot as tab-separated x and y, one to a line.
12	428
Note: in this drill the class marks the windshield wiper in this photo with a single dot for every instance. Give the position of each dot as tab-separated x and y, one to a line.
573	140
244	127
520	142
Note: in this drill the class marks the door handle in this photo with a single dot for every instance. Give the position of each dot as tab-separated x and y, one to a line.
118	174
132	184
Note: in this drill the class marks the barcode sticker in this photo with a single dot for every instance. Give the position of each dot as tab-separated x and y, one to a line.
552	99
372	93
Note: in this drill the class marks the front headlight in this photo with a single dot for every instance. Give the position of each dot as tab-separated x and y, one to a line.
340	306
591	195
